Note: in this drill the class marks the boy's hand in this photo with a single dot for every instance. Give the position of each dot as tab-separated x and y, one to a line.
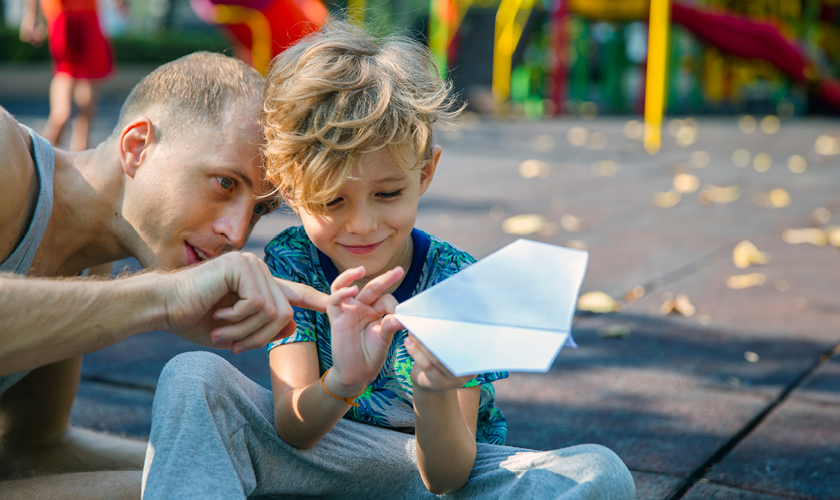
428	372
361	338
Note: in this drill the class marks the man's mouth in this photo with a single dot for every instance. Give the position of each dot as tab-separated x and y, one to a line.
195	255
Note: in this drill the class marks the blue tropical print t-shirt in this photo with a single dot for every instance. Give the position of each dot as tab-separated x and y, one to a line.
387	401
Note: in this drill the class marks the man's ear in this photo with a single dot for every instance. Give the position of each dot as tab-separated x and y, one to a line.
135	140
429	170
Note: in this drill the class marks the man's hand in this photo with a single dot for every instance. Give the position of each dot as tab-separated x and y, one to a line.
234	302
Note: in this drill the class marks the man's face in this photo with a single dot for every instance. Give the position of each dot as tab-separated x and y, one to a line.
370	221
198	195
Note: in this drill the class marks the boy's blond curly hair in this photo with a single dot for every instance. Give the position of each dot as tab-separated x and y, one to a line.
340	93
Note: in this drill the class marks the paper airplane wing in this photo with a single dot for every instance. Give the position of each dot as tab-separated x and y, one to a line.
510	311
525	284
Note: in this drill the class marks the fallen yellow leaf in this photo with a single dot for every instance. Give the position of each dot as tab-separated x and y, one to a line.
827	145
810	235
822	215
666	200
637	292
523	224
833	234
571	223
739	281
686	183
578	136
598	302
745	253
715	194
678	305
779	198
529	169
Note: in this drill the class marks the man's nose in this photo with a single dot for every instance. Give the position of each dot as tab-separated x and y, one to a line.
234	226
361	220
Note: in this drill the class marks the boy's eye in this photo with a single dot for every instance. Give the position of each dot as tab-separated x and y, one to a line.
260	209
392	194
225	182
334	202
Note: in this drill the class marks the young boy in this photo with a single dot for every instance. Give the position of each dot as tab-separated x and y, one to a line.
360	408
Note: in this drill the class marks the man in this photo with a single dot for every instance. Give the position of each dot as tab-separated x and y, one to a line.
178	182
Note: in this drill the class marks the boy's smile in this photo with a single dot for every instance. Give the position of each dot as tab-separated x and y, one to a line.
369	223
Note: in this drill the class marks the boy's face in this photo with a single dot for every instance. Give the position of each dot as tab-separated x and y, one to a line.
369	223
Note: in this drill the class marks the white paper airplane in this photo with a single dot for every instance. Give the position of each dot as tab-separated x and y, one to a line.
511	310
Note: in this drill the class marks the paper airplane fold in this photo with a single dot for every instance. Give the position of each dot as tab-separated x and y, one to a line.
511	310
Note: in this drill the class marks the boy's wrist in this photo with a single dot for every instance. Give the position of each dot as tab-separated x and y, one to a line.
336	387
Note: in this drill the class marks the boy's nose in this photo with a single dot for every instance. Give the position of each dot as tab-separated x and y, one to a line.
360	221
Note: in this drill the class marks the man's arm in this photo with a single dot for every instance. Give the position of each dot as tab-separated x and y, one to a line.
42	321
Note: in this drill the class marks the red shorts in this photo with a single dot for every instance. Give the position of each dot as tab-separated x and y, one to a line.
78	47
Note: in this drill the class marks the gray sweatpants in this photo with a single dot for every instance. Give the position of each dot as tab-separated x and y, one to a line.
213	437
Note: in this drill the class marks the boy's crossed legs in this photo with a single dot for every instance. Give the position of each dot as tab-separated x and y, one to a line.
213	436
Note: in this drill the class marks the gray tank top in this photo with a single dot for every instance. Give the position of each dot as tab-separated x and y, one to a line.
21	259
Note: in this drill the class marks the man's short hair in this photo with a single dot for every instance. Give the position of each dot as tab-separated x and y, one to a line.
193	90
342	92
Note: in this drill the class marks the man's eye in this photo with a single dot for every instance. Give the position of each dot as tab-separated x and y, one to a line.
392	194
260	209
225	182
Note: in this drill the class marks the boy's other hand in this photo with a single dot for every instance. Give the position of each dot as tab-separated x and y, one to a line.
428	372
360	337
233	302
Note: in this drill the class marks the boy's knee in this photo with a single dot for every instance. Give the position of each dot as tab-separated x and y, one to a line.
605	470
194	366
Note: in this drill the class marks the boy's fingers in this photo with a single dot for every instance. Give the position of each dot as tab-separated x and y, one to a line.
376	286
346	278
385	305
388	327
431	359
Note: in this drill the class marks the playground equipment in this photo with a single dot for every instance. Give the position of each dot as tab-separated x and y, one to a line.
657	73
262	28
740	49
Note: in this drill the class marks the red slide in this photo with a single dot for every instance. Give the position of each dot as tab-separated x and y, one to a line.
746	38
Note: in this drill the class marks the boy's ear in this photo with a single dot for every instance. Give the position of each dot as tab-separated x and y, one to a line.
135	142
429	170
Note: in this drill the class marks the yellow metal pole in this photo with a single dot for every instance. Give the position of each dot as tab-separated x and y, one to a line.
260	31
657	72
510	21
356	11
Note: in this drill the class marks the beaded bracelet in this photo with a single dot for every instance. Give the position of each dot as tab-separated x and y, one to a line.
350	401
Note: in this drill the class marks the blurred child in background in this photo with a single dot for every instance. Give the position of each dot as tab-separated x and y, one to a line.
81	55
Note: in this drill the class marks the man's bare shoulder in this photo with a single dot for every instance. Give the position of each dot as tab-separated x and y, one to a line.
15	144
17	169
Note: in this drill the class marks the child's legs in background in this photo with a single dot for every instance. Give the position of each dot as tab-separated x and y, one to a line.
84	96
61	97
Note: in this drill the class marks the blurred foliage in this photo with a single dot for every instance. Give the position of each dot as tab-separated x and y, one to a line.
161	48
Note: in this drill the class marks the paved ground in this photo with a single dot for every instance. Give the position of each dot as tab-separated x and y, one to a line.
739	400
